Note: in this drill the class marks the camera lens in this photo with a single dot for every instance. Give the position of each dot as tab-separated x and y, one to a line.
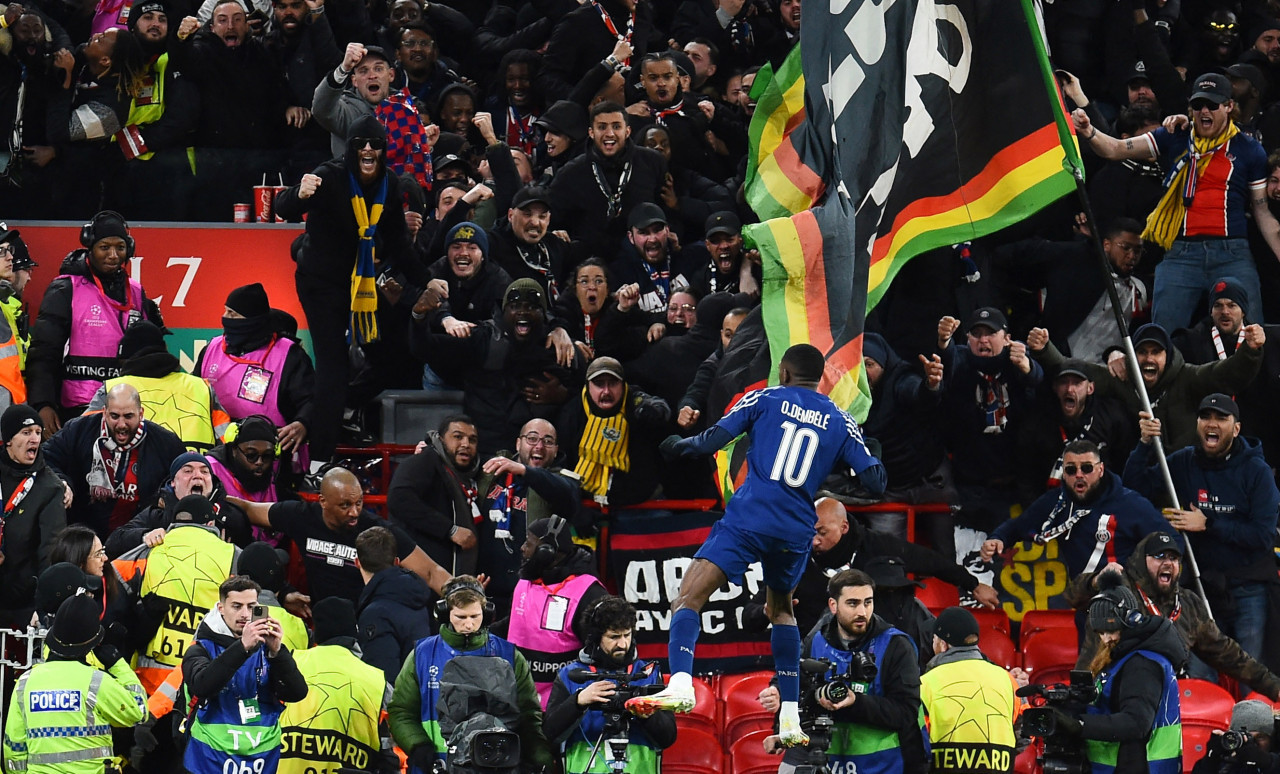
834	692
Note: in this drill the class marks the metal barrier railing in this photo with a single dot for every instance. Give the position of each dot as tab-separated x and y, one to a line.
19	651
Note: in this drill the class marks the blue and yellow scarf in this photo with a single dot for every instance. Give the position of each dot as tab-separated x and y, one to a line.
364	285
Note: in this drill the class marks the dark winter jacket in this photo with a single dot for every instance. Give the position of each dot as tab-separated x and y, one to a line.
474	299
1186	609
1136	691
1132	517
668	366
581	39
579	206
28	535
70	454
159	515
981	457
242	93
647	417
205	676
564	712
1237	492
426	498
903	418
1105	421
393	613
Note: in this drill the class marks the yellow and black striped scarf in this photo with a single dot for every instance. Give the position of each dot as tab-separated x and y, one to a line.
364	283
1165	221
603	447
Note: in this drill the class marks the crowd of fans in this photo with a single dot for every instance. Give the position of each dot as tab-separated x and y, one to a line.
539	204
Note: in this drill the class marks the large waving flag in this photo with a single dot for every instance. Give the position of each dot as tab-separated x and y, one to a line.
922	124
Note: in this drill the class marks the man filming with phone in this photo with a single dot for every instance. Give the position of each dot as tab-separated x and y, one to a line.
238	674
585	709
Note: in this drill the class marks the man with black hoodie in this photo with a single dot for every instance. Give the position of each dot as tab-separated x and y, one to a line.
1228	503
433	495
333	247
593	195
1135	725
1154	572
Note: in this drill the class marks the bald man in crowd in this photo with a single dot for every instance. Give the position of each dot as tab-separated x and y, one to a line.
326	533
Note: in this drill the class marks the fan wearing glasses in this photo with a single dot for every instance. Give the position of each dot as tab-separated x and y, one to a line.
518	488
1214	174
1094	518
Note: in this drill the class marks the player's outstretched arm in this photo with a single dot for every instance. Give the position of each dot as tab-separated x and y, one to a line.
707	442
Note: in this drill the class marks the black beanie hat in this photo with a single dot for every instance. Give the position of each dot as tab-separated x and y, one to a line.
107	224
76	628
256	427
1230	288
140	337
265	564
334	617
58	584
249	300
1115	606
16	417
142	7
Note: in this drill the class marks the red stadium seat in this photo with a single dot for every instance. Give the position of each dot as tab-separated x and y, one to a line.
1042	620
996	619
727	682
705	715
937	595
747	755
1255	696
695	752
997	647
742	711
1205	708
1205	703
1050	655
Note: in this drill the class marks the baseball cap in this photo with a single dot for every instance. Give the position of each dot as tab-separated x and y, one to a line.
1212	86
645	215
378	51
987	316
1249	73
957	627
605	365
1223	404
531	194
1154	333
1139	72
1073	367
449	160
723	222
1160	542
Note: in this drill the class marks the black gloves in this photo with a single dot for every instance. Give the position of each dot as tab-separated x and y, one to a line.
107	654
1066	724
668	447
422	758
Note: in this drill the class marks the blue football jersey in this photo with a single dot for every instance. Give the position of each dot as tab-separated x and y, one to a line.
797	437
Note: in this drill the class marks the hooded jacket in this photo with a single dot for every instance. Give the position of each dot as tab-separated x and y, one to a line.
903	418
1177	393
28	535
206	676
1186	610
1132	518
427	499
326	253
1136	691
393	613
1237	492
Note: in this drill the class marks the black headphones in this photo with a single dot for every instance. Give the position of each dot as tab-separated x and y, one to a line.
1131	616
89	231
455	585
594	629
546	551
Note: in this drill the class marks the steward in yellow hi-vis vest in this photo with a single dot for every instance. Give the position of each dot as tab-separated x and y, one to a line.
339	724
969	702
63	710
177	582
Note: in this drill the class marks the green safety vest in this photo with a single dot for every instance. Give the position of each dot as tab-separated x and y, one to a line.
62	713
971	708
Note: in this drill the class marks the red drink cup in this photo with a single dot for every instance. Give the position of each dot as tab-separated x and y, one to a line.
263	198
242	213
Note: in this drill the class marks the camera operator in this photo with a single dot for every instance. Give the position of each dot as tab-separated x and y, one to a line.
1246	747
583	713
1134	723
878	727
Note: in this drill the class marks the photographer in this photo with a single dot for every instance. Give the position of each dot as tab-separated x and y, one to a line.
583	714
1134	723
878	727
1246	747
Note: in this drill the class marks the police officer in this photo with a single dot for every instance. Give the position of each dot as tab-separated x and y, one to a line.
238	673
878	728
574	718
960	684
63	711
415	723
337	725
